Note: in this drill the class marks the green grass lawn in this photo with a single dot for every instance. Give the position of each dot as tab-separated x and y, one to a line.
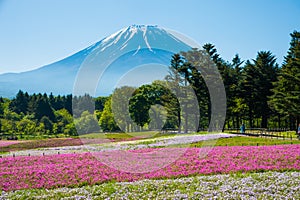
285	134
243	141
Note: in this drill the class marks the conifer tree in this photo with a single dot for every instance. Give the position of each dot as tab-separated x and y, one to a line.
287	89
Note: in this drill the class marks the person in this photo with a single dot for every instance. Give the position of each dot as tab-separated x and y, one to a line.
298	131
243	128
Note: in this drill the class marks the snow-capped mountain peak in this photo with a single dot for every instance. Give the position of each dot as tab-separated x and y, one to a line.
135	45
145	36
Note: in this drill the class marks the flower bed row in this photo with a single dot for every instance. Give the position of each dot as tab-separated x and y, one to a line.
12	146
84	169
4	143
66	146
267	185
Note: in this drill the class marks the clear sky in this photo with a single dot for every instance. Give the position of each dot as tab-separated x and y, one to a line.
38	32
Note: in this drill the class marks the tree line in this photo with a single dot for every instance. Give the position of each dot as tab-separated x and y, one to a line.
42	115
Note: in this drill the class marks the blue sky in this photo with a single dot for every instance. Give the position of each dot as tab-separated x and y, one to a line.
38	32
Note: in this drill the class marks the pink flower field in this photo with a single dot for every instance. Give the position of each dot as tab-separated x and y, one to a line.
73	170
4	143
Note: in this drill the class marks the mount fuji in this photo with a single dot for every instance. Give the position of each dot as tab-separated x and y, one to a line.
138	48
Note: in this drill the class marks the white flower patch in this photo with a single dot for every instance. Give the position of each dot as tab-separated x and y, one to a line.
267	185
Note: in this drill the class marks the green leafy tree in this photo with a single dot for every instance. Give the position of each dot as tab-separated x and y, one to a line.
47	123
120	107
107	121
26	126
64	123
146	96
8	126
83	103
100	102
40	129
87	123
70	129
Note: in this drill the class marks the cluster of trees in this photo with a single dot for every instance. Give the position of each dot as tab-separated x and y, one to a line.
42	115
259	92
37	114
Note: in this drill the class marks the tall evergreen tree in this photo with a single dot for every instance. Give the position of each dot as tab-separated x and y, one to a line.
175	80
20	103
195	59
40	107
234	108
286	97
249	90
1	107
266	68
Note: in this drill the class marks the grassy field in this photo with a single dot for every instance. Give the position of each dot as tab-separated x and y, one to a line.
145	134
252	141
243	141
283	134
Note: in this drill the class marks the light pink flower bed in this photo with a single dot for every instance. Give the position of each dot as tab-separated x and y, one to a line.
82	169
4	143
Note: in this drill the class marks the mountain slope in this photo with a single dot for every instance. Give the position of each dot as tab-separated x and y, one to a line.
136	45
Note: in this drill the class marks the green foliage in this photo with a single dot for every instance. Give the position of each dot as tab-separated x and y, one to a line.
34	115
148	95
87	123
256	86
1	111
81	104
26	126
99	103
47	123
20	103
107	121
286	99
120	107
